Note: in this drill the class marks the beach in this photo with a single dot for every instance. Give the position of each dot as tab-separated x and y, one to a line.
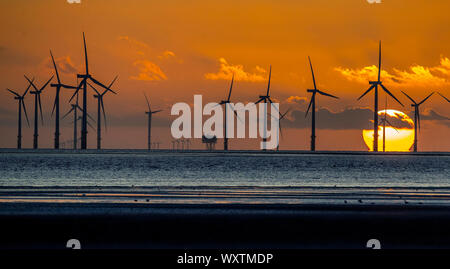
174	219
161	200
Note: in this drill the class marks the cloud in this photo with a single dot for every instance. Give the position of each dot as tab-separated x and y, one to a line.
227	70
432	115
167	54
74	1
296	100
135	43
355	118
64	65
148	71
416	75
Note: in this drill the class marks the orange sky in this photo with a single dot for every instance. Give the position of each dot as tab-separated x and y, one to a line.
174	49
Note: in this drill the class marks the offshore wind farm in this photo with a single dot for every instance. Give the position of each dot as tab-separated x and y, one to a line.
168	127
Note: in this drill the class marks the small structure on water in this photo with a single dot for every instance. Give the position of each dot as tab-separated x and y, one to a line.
210	142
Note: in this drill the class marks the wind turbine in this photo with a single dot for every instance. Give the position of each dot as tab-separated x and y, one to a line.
384	121
374	85
83	84
226	103
266	98
37	101
313	104
279	124
58	87
444	97
416	116
21	104
101	108
150	113
75	108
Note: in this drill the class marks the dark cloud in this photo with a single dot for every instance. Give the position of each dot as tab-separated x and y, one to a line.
350	118
434	116
354	118
141	119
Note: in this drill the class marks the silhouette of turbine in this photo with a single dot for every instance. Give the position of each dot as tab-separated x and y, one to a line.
266	98
75	108
100	109
83	84
416	116
374	85
279	124
313	104
384	121
150	113
227	103
444	97
21	105
58	87
37	101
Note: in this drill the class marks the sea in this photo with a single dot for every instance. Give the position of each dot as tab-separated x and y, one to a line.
130	168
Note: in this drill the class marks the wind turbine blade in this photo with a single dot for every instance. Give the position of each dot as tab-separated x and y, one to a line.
93	88
284	114
45	85
56	99
444	97
237	116
379	63
65	115
153	112
388	92
327	94
101	85
231	88
13	92
370	88
85	54
270	100
390	124
68	86
26	91
262	99
31	82
148	103
56	69
310	103
312	72
90	125
112	82
425	99
268	84
25	110
78	88
409	97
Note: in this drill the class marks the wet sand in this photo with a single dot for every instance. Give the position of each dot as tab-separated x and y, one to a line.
224	217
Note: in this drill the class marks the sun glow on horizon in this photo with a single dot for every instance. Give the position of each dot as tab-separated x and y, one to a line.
398	139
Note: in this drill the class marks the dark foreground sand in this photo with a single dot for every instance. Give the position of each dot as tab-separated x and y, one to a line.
43	218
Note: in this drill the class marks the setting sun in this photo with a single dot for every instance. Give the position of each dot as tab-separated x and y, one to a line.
399	137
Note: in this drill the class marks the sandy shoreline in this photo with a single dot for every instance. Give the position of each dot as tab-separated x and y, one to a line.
50	225
102	222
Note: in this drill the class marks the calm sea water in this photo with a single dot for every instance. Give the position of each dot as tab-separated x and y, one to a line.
216	169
